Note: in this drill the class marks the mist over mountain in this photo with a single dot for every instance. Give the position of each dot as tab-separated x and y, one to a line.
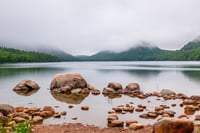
143	51
52	50
192	44
147	52
136	53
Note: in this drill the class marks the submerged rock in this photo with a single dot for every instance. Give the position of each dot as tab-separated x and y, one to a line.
164	92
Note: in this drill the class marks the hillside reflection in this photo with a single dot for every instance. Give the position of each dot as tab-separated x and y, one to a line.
10	72
192	75
137	73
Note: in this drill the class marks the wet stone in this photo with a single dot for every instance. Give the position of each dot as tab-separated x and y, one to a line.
139	109
57	115
197	117
85	108
64	113
128	122
116	123
70	106
135	126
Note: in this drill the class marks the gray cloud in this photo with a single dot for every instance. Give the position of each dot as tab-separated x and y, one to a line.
88	26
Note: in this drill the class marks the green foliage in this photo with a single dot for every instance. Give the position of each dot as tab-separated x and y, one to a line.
2	129
189	52
14	55
142	53
191	45
24	127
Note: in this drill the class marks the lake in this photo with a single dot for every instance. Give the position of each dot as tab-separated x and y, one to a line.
181	77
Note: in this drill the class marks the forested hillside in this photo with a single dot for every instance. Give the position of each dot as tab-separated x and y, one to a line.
190	52
14	55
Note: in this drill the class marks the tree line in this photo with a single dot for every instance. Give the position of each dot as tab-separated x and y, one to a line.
14	55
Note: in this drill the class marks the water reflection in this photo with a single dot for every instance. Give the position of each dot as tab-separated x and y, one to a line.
152	76
138	73
113	96
26	92
192	75
9	72
69	98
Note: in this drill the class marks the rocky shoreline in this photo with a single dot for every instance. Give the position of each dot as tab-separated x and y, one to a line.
74	88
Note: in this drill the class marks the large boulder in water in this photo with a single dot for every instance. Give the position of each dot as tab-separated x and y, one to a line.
173	125
26	87
113	90
115	86
132	89
67	81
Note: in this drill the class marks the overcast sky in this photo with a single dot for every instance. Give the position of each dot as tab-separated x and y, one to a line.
88	26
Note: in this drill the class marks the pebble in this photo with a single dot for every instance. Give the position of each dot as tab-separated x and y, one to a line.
70	106
75	118
135	126
64	113
57	115
85	108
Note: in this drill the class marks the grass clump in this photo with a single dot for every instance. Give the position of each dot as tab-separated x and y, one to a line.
23	127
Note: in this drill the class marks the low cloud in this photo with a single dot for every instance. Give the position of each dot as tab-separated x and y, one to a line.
85	27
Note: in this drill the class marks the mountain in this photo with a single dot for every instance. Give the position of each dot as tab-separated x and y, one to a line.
15	55
141	52
147	52
63	56
192	45
51	50
144	53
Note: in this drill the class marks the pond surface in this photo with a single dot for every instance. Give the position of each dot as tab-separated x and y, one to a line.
181	77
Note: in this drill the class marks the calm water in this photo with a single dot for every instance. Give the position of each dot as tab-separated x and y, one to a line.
181	77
